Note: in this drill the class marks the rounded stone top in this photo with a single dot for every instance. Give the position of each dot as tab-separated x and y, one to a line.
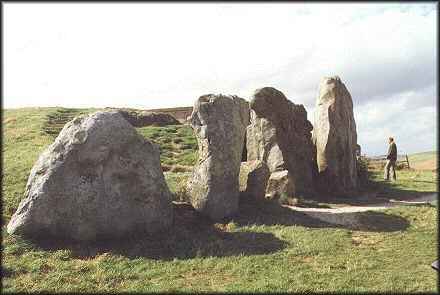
331	78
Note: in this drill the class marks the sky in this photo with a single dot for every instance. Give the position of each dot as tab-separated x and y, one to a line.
154	55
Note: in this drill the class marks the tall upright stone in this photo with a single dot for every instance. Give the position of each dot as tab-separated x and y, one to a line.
98	179
279	135
219	123
335	138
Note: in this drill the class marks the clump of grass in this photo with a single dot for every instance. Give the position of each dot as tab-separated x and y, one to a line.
363	172
171	129
167	140
180	168
188	158
178	145
56	119
177	182
182	194
166	167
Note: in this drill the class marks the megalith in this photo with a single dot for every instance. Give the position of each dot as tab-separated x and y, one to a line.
335	138
98	179
219	123
279	135
254	176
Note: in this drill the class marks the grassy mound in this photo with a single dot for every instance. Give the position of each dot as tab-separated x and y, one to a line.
56	119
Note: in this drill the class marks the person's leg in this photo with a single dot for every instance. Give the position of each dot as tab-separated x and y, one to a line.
393	166
386	173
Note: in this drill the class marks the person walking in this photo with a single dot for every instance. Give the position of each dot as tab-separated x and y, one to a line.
391	160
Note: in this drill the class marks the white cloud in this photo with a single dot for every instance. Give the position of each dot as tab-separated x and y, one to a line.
414	128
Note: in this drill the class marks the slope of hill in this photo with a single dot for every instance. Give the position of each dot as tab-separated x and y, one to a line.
417	161
424	161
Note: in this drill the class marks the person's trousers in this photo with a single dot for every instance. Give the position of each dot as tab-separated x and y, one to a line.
391	164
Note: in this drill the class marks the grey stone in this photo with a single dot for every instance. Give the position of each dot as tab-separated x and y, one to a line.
219	123
279	135
254	177
280	182
98	179
335	138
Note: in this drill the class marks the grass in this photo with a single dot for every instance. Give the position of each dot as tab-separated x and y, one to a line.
424	161
177	143
265	248
409	182
22	143
55	120
419	157
177	184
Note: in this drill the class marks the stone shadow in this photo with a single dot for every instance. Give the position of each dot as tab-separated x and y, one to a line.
376	192
6	272
267	212
191	236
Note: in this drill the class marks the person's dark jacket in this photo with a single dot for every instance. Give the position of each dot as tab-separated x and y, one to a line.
392	152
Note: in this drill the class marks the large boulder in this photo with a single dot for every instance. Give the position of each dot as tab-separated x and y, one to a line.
146	118
219	123
335	138
279	135
99	179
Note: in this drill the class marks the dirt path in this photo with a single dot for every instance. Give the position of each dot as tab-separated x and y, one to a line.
351	216
352	209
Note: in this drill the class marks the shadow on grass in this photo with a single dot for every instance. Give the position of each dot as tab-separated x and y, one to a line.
271	213
424	181
191	236
196	236
6	272
377	192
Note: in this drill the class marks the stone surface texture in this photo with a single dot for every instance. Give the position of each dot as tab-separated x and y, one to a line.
219	123
98	179
335	138
253	178
279	135
280	182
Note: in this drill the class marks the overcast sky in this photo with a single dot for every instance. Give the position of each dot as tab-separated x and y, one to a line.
150	55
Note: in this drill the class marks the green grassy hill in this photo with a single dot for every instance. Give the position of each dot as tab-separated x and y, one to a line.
423	156
265	248
424	161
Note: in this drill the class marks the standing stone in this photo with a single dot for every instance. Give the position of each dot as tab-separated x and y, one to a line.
335	138
279	136
253	178
99	179
219	123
